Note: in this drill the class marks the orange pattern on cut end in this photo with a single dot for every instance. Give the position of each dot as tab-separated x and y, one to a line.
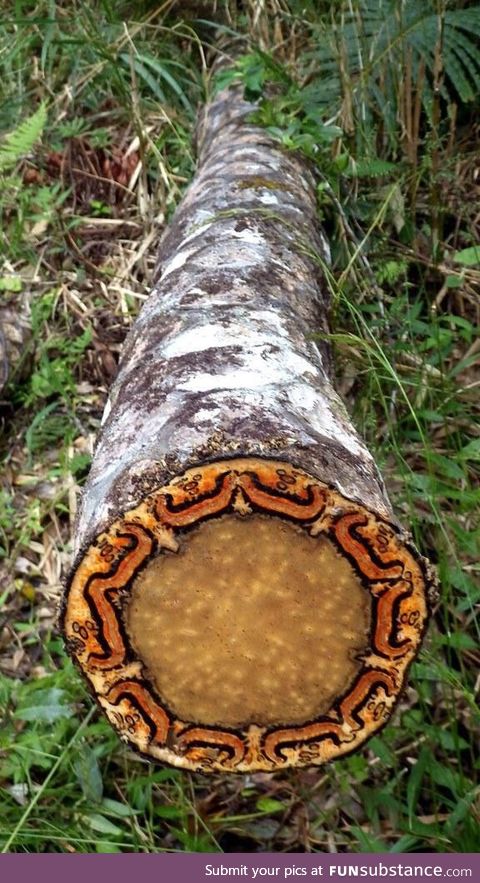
93	623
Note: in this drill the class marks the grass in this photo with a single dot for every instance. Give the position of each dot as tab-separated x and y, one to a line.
82	209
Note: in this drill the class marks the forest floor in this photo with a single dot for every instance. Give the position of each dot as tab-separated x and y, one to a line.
82	209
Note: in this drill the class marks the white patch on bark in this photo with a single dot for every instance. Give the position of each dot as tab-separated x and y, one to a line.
176	262
268	199
257	332
199	231
253	237
322	418
106	412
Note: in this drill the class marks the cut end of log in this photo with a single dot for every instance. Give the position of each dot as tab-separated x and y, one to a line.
247	617
256	603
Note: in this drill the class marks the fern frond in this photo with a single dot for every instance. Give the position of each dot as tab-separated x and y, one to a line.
455	72
371	167
464	19
19	142
462	65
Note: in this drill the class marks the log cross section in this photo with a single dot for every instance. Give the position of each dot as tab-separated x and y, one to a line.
242	597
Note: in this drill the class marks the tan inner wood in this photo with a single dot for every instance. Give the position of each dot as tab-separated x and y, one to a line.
251	621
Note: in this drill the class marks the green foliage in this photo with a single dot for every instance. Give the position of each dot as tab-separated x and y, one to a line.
53	374
43	705
286	112
162	78
371	51
255	70
18	143
469	257
17	527
370	65
49	426
103	800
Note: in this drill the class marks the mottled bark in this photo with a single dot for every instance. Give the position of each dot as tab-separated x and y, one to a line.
220	368
220	360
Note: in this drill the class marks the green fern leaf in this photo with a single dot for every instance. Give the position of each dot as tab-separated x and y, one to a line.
19	142
465	64
372	167
465	19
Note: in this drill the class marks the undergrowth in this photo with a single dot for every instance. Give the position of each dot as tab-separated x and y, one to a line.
97	118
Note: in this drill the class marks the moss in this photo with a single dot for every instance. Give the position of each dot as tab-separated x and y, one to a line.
257	183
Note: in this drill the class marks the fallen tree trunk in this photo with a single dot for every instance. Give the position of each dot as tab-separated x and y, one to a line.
242	597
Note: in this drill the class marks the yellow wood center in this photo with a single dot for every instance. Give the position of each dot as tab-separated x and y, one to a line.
251	621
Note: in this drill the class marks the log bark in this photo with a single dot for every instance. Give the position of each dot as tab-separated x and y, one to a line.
15	337
225	460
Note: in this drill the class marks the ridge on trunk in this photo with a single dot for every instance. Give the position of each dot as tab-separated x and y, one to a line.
242	597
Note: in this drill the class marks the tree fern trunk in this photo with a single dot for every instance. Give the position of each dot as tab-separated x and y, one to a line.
242	597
